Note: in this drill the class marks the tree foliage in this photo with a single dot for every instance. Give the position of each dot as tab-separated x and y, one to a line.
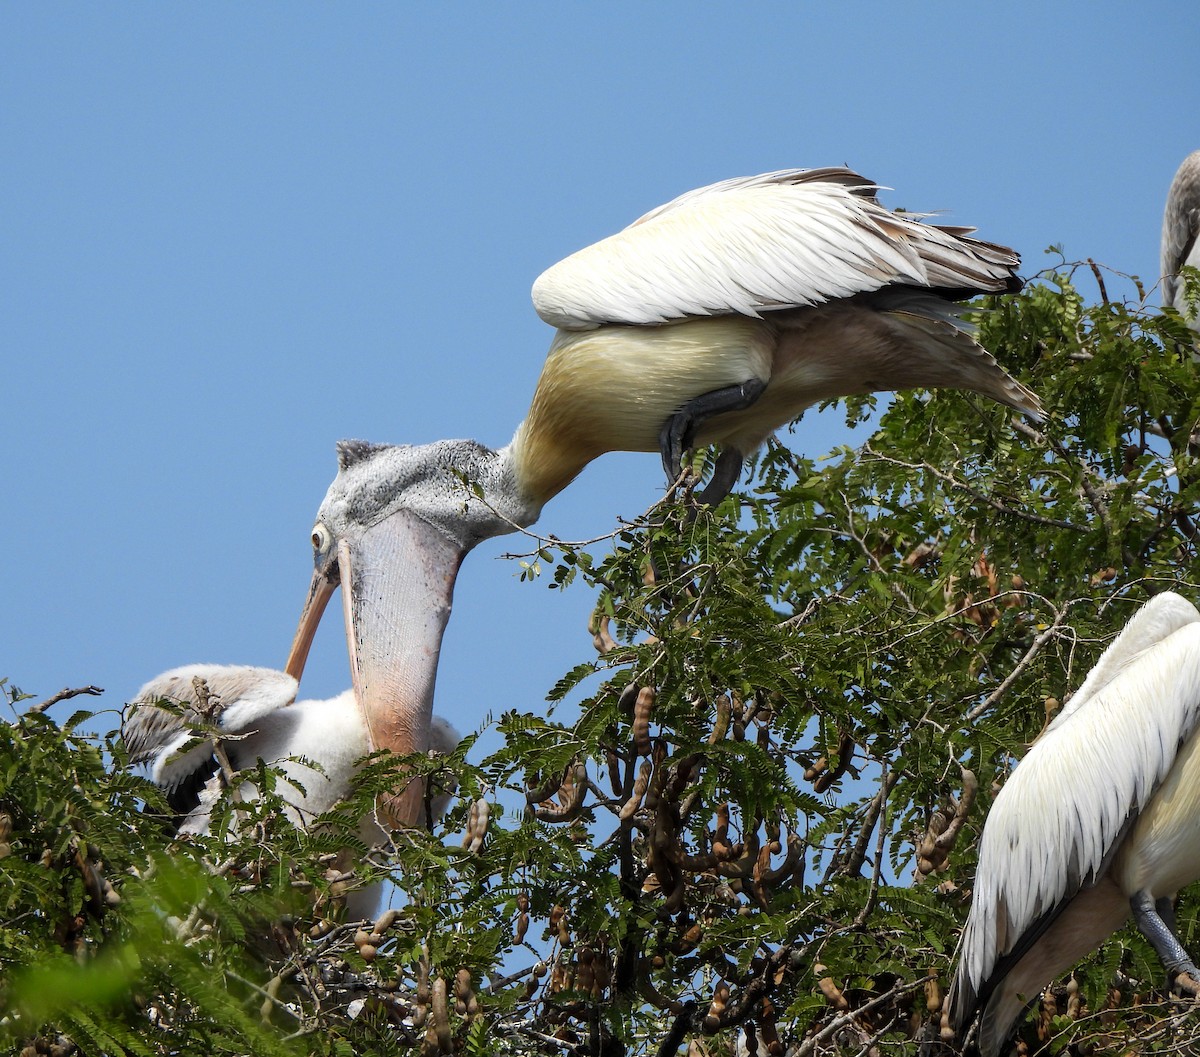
751	811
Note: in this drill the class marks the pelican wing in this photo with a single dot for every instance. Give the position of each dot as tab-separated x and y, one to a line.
160	737
1181	224
765	243
1061	816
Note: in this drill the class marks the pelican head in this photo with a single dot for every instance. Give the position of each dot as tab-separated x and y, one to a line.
392	532
1181	224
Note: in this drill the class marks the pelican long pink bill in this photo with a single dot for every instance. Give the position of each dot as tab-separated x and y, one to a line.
397	578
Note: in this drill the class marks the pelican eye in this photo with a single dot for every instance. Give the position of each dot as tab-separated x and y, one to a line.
320	537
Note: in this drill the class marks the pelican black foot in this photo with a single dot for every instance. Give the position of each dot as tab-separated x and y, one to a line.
679	431
727	470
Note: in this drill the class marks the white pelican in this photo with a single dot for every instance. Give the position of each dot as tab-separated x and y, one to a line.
716	318
1181	225
1100	819
258	710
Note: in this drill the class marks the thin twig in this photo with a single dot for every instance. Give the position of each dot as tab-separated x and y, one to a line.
843	1019
860	918
209	706
1099	280
65	695
1042	638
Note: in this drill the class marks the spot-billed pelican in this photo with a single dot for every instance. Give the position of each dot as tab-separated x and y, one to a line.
715	318
1100	819
259	711
1181	225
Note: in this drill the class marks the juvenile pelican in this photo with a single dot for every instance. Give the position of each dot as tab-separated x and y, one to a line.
1100	819
716	318
1181	224
259	711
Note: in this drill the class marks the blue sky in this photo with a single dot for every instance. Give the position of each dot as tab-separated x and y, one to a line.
234	234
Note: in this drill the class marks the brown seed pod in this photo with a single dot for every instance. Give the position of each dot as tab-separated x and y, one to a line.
385	921
601	637
477	825
585	976
560	978
739	718
323	927
658	775
630	807
440	1014
933	993
570	796
1048	1013
423	993
945	1031
945	824
628	696
1074	999
833	994
824	777
463	992
613	767
642	710
724	710
720	999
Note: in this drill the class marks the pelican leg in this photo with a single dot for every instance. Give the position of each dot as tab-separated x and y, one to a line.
1164	906
1154	926
679	430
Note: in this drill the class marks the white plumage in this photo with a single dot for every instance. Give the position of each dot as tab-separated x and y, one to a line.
1103	810
755	245
259	713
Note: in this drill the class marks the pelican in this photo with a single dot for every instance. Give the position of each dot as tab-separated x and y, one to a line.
259	712
1181	224
713	319
1101	819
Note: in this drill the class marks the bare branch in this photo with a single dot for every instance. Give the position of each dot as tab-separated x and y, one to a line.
65	695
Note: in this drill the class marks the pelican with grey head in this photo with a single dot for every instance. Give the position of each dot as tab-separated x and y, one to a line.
714	319
1181	225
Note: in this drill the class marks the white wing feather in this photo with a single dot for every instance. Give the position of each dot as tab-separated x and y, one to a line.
1059	816
154	735
782	240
